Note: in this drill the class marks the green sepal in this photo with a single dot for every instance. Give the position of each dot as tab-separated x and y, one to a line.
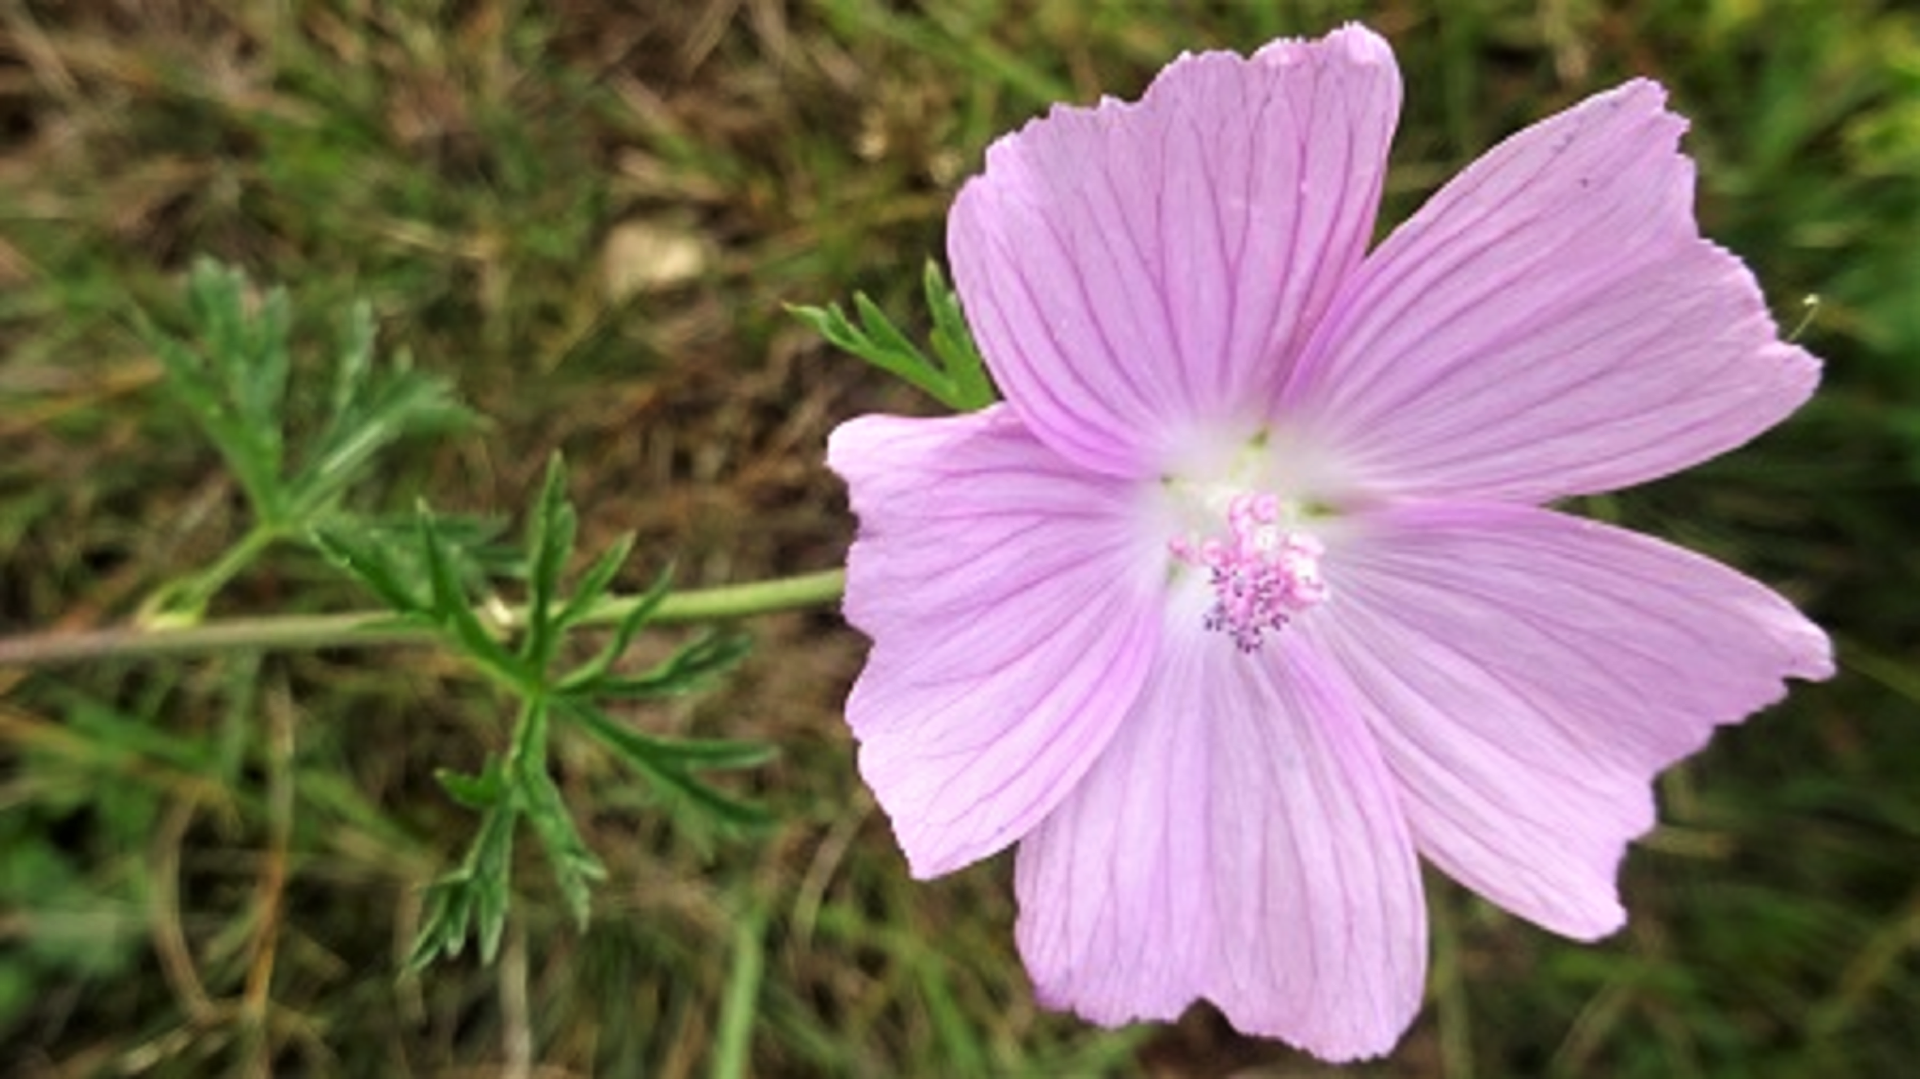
953	342
958	379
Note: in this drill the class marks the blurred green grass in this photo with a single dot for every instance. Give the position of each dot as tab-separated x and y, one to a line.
587	215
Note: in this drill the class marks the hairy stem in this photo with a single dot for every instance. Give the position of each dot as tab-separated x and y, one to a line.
360	629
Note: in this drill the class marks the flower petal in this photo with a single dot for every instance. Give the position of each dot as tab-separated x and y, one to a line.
1528	674
1240	841
1551	323
1012	622
1136	272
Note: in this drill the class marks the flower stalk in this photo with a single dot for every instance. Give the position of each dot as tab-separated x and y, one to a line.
362	629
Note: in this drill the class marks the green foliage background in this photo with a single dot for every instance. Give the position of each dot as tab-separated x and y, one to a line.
585	219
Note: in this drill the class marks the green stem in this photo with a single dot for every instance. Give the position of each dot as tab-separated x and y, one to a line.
361	629
528	750
740	1007
185	599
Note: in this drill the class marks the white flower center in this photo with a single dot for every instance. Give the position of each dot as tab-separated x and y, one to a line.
1263	571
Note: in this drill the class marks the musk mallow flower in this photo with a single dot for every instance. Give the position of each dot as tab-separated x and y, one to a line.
1247	596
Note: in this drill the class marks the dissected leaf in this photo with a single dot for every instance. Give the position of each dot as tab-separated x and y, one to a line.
679	673
643	606
454	612
426	582
480	792
953	342
958	378
549	543
371	564
670	764
232	371
597	579
575	869
231	375
472	899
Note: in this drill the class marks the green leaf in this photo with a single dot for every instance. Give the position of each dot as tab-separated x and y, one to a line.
959	379
575	869
368	561
247	352
668	765
455	615
472	898
878	342
368	411
680	673
582	678
231	372
258	363
351	370
550	536
112	737
472	901
594	583
402	405
480	792
471	544
709	754
232	378
953	343
701	753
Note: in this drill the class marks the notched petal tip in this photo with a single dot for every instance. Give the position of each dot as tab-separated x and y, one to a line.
1258	860
1551	323
1010	630
1563	664
1136	269
1640	90
1353	42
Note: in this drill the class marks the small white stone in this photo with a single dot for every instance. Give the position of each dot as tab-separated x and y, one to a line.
644	256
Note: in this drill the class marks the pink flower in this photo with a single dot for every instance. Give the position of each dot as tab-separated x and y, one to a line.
1247	593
